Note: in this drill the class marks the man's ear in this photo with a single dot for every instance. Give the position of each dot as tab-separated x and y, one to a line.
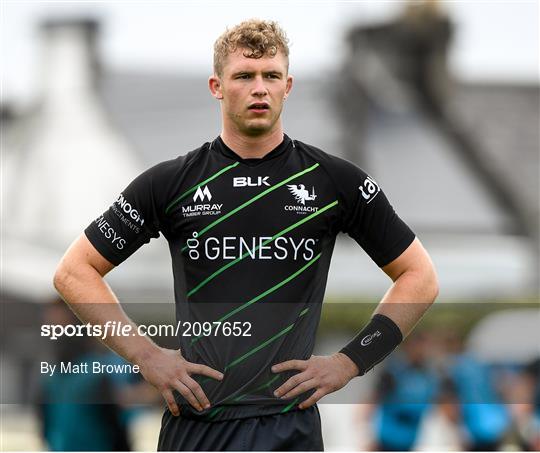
215	87
288	86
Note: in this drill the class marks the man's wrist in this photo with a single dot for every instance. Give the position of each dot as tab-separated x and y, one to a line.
348	365
144	352
378	339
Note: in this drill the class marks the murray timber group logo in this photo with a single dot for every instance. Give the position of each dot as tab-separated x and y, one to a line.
301	195
202	194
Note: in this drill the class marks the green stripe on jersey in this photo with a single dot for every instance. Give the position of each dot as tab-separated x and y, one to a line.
217	410
262	295
273	238
260	346
265	343
290	406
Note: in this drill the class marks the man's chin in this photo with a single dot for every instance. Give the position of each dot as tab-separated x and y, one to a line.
256	129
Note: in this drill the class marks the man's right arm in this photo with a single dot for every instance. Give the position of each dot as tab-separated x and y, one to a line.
79	280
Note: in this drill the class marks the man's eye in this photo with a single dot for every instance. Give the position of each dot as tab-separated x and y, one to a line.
243	76
273	76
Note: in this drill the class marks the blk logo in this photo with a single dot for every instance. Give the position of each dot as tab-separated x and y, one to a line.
201	194
246	181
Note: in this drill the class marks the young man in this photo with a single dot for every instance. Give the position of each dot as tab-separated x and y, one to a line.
251	219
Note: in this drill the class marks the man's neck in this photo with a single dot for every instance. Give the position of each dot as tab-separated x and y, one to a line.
252	147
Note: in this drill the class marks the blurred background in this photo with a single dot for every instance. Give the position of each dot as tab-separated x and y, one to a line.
438	101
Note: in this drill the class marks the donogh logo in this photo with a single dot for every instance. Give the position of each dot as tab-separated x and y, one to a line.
201	194
301	194
369	338
126	206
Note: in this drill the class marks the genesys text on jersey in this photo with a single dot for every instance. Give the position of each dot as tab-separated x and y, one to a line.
256	247
110	233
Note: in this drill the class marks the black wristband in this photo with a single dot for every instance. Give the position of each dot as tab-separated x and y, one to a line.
378	339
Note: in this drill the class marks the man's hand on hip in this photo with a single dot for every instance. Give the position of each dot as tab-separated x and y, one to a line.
167	370
326	374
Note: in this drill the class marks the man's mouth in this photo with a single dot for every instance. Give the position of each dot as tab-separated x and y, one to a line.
259	106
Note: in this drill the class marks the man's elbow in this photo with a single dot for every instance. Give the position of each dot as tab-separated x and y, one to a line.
431	284
67	274
61	277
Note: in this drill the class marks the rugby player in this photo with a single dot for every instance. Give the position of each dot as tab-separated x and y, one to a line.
251	218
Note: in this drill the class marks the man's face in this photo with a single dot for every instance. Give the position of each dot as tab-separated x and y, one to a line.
252	91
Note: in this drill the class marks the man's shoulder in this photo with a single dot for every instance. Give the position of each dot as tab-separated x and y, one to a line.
164	178
171	167
328	160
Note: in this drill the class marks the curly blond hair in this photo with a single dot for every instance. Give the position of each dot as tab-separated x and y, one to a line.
257	37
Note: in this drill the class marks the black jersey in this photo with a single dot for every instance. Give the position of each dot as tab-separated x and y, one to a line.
251	242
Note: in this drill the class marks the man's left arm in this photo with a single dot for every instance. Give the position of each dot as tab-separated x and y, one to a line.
414	289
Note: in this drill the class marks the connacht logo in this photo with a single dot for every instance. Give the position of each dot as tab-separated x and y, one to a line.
201	194
301	195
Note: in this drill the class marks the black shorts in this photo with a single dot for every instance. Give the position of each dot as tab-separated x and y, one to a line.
298	430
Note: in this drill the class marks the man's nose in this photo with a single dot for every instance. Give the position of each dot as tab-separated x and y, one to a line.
259	87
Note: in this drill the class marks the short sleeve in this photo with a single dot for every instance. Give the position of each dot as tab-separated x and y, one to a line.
368	217
130	222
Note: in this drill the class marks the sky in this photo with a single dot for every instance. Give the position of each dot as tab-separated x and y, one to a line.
494	41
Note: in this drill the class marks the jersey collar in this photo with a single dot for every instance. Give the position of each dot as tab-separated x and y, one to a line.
219	145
